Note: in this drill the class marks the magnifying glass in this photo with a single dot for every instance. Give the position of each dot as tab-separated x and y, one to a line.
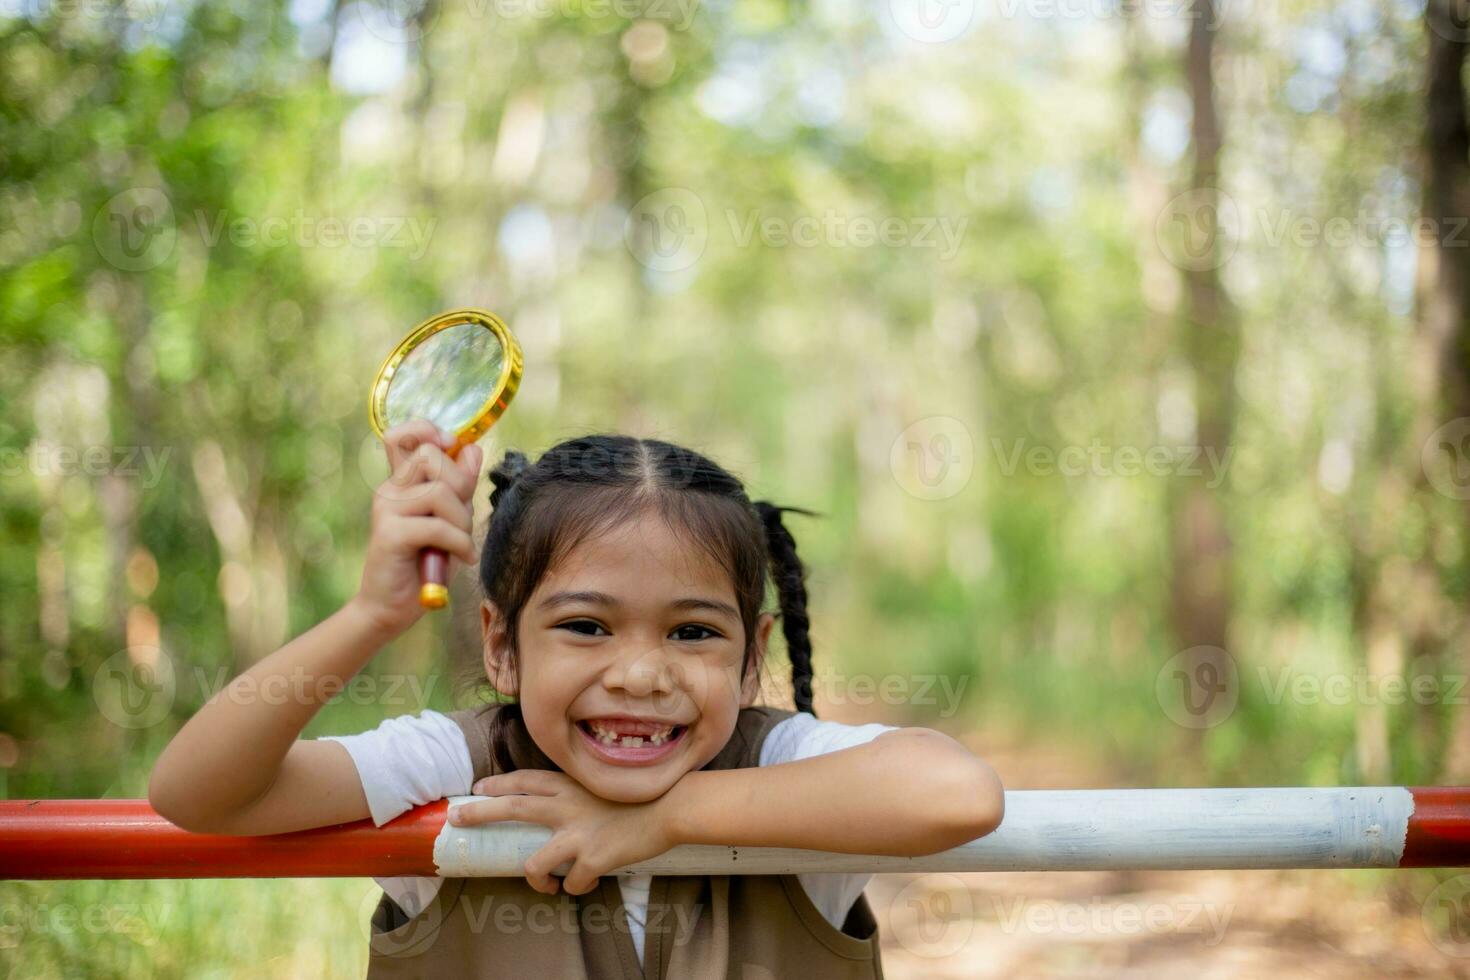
459	370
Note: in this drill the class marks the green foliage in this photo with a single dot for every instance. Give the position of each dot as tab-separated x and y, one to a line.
217	350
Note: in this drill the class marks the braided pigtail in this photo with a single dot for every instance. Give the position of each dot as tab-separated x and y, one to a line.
790	577
506	474
503	509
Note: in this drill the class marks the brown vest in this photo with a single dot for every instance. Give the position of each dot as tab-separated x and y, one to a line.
714	927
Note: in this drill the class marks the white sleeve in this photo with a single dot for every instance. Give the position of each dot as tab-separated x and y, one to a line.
408	761
403	763
803	736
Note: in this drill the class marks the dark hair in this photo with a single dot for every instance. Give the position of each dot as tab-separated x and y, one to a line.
591	484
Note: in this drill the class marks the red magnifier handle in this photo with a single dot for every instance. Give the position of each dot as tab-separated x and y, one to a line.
434	566
433	576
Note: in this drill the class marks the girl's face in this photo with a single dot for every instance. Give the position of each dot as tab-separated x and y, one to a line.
630	660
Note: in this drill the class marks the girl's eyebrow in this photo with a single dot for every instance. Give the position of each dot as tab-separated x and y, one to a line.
602	598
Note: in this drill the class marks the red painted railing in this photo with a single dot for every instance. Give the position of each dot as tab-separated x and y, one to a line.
127	839
1344	827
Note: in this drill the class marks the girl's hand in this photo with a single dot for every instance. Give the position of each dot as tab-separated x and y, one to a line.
594	835
426	501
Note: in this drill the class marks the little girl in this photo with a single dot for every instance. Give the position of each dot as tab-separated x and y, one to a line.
623	588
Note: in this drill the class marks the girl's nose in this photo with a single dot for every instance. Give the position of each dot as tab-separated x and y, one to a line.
641	674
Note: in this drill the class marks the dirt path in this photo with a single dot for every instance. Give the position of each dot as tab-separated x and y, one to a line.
1202	925
1199	925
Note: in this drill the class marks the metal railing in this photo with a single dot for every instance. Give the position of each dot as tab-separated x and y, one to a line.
1043	830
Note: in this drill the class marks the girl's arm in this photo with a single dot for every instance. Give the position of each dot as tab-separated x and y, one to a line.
907	792
237	766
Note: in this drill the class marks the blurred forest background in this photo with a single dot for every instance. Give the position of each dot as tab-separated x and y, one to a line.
1122	344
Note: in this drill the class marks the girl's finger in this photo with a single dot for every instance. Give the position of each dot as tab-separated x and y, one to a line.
541	867
430	464
538	782
470	459
436	500
582	878
401	440
526	809
417	533
456	474
414	474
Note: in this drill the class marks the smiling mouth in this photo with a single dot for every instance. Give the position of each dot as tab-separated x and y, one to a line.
630	742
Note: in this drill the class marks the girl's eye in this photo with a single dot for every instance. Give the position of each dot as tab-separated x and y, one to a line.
579	626
694	626
690	632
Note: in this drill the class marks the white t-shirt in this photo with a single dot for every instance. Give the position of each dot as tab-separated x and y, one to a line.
415	759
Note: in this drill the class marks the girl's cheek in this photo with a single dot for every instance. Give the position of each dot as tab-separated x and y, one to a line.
549	686
725	683
545	715
708	687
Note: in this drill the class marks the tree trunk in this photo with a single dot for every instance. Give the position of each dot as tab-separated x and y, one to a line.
1444	293
1201	580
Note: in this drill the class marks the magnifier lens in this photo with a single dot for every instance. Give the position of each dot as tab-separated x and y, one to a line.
447	378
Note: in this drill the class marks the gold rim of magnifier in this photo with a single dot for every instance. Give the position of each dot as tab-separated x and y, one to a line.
500	396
